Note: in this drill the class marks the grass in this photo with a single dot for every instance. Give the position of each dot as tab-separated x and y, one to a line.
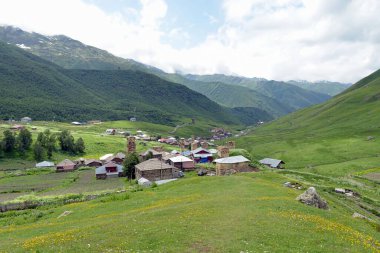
98	143
255	213
51	184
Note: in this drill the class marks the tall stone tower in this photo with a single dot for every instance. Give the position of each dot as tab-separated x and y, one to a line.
182	144
223	151
131	145
194	145
231	144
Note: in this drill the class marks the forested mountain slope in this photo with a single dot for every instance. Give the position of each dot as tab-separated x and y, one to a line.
31	86
273	99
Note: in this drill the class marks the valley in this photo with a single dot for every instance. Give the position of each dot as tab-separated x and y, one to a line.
326	133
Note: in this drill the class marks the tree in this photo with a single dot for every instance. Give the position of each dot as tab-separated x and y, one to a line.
9	141
50	145
2	147
149	155
39	151
79	146
129	165
40	138
24	141
66	141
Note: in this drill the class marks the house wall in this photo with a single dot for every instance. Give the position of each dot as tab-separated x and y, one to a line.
154	175
65	168
184	165
229	168
94	164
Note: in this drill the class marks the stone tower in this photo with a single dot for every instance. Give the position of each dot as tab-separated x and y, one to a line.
231	144
194	145
131	146
223	151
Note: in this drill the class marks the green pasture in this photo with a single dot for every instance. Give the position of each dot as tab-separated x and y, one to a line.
244	213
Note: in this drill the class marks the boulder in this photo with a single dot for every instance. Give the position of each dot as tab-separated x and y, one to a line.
310	197
144	182
202	172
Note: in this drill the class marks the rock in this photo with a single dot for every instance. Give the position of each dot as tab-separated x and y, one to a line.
288	184
360	216
144	182
65	213
202	172
340	190
229	172
310	197
370	138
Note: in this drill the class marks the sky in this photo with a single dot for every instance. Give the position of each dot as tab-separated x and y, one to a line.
335	40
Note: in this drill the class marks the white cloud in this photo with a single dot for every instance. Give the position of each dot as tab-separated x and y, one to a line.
280	39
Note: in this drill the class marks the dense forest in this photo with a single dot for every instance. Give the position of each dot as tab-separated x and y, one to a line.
31	86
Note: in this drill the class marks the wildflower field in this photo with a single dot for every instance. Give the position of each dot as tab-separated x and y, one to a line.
241	213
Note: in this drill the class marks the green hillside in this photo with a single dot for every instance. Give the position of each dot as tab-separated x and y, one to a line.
68	53
339	137
325	87
34	87
233	96
273	99
289	96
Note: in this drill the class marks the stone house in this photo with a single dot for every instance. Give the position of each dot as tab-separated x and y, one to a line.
155	169
66	165
232	164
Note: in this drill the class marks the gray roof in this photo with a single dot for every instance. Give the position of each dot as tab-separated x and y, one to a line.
232	159
271	162
120	155
180	158
45	164
153	164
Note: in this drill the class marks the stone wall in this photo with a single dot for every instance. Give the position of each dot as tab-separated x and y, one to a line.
228	168
159	174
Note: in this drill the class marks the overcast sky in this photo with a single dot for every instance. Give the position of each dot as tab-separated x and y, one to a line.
336	40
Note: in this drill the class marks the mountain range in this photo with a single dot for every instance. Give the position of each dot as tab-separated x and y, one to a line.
31	86
268	99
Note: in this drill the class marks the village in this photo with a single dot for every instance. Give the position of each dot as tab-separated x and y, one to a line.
157	164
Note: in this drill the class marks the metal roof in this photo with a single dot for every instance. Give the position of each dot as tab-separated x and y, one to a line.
105	156
271	162
179	159
232	159
213	151
45	164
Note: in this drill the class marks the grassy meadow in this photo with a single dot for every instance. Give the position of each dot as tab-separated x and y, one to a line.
98	143
242	213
